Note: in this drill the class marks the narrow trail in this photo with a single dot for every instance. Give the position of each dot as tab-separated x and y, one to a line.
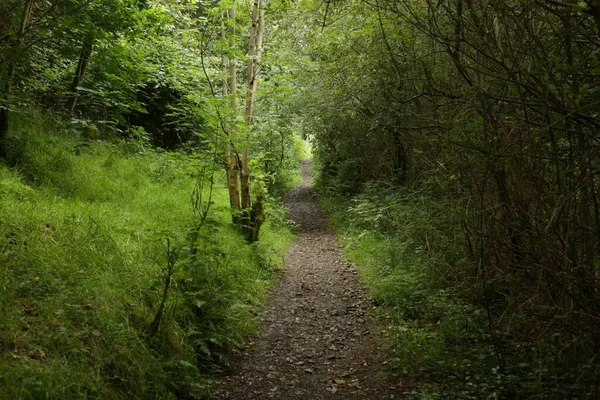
317	339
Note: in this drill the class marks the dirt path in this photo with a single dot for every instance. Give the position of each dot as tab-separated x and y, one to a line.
317	340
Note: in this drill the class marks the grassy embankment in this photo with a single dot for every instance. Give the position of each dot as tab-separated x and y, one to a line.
87	233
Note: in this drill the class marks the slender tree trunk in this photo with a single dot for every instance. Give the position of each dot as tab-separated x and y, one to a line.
230	88
84	57
246	203
224	60
171	260
259	44
253	213
247	216
10	74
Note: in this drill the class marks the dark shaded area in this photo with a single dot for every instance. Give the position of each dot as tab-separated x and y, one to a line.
165	128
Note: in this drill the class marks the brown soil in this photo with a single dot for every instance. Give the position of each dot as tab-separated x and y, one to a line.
318	339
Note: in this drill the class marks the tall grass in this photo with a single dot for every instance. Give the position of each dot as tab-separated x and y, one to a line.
83	262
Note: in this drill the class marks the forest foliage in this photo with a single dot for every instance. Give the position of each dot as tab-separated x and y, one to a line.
91	233
122	273
456	145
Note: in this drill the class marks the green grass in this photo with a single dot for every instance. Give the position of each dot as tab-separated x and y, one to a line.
83	233
408	250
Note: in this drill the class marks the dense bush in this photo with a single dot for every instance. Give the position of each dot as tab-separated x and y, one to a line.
410	252
481	115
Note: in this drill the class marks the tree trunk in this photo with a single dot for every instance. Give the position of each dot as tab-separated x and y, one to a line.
10	74
246	203
84	57
259	44
253	215
230	88
245	215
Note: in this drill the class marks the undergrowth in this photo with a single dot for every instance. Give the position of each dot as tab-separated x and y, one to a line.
91	234
408	247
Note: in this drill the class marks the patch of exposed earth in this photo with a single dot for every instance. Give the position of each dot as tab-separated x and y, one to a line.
318	339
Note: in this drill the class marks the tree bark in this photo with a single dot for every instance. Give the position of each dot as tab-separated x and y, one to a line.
245	215
84	57
252	214
230	88
246	203
259	44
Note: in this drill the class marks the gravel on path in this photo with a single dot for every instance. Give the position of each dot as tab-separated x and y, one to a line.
318	339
